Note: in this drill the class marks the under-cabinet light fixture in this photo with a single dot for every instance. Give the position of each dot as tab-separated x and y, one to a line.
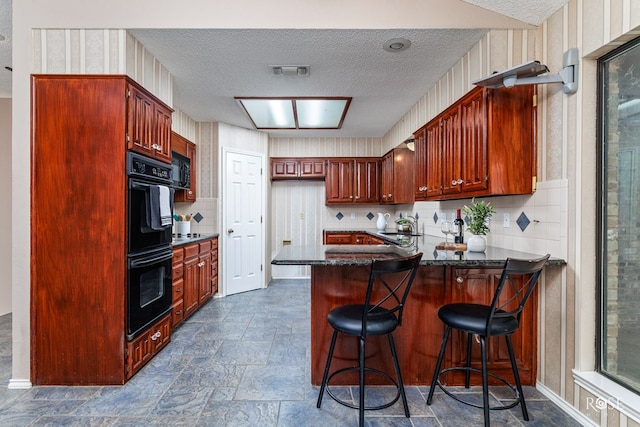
531	74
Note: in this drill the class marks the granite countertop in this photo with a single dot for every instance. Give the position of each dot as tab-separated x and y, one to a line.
364	254
192	238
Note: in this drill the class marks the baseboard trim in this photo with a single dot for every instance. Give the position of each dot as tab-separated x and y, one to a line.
19	384
573	412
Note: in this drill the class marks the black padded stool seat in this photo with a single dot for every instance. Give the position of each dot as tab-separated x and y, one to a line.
381	313
501	318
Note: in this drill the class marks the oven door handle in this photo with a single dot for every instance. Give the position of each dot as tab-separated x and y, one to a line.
134	185
150	260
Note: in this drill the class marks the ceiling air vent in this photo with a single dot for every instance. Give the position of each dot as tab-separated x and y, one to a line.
290	70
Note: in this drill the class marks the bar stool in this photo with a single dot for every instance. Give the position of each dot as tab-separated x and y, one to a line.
381	313
501	318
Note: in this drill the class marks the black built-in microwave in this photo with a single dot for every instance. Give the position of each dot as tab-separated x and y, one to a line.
181	170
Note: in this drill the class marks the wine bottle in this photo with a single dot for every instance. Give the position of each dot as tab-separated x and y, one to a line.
458	224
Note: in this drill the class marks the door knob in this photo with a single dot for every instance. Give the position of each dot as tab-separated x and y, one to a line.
229	230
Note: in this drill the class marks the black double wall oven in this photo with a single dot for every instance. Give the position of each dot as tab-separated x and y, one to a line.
150	218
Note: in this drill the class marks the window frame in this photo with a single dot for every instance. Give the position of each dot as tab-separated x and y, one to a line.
601	214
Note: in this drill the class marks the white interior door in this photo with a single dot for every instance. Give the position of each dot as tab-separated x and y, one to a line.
242	228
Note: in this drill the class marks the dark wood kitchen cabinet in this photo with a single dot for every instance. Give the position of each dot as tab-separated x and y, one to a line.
482	145
349	238
204	272
147	345
477	285
177	285
396	185
148	124
191	279
195	277
182	145
352	180
298	168
79	125
420	165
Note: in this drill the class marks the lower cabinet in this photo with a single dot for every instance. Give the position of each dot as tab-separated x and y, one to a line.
195	277
477	285
350	238
144	347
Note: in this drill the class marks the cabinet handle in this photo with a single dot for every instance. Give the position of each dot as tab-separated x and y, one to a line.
460	181
389	195
459	279
453	182
178	313
155	336
357	197
351	197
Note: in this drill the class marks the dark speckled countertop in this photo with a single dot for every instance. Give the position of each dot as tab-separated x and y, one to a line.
364	254
180	241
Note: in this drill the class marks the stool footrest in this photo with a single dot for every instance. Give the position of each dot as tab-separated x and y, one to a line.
478	371
354	406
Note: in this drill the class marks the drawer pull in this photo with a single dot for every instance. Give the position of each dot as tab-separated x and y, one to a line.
459	280
155	336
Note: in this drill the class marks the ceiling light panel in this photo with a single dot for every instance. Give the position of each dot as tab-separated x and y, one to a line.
296	112
320	113
270	113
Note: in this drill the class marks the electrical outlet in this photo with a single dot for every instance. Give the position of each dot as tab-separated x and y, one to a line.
353	215
506	220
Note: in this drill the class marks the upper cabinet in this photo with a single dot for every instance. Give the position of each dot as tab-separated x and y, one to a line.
397	177
183	146
482	145
148	124
299	168
352	180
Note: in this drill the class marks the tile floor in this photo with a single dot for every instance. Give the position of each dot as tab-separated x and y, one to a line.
242	360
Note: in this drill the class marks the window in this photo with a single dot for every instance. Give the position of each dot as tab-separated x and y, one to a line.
619	219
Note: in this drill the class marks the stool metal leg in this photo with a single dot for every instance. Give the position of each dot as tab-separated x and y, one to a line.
485	381
467	375
326	368
516	376
436	373
394	356
361	408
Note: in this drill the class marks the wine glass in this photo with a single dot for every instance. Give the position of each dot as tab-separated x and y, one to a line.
445	227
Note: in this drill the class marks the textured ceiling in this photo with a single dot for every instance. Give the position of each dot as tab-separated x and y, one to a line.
211	66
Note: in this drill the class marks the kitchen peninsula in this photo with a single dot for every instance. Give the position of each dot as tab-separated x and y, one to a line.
339	275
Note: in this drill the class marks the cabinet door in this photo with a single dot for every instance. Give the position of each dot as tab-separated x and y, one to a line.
433	153
284	168
478	286
386	183
191	288
339	181
161	143
420	165
451	152
204	277
312	168
367	181
140	121
474	169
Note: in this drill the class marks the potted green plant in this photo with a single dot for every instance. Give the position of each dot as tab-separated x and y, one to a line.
479	213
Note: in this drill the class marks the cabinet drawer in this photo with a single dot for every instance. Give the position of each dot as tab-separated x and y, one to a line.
337	239
178	313
214	244
178	255
205	247
191	251
214	269
177	289
177	271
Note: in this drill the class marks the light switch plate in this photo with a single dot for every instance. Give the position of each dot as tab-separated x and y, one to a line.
353	215
506	221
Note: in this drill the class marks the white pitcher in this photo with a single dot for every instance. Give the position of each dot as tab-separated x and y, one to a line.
382	221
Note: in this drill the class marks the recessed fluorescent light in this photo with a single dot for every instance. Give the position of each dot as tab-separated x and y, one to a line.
296	112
